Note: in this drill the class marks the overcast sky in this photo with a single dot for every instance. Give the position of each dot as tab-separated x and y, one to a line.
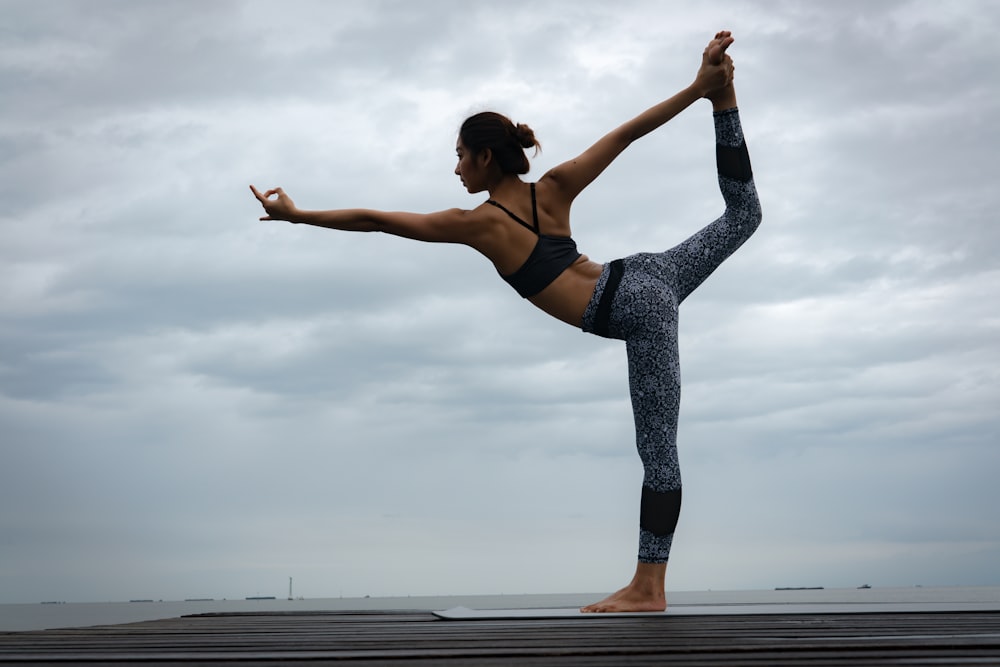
194	403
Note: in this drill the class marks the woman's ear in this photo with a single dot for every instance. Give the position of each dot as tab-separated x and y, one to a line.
485	157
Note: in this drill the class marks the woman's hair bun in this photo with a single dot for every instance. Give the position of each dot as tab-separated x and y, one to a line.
525	136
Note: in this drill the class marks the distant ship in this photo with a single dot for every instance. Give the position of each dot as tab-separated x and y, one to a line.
799	588
864	586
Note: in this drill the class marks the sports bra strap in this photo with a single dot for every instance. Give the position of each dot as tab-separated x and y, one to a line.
534	211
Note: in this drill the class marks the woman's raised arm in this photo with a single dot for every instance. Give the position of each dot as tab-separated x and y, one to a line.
572	176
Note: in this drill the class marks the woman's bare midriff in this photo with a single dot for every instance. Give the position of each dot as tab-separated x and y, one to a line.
566	298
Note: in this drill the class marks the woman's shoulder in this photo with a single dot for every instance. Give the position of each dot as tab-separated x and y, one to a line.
553	202
486	222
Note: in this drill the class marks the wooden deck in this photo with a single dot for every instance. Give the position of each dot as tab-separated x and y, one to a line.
419	638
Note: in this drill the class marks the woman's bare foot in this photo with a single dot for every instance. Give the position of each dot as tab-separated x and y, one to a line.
628	599
715	52
644	592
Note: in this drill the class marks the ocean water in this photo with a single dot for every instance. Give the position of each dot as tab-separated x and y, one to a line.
23	617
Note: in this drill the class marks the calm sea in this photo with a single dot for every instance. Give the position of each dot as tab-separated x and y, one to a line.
20	617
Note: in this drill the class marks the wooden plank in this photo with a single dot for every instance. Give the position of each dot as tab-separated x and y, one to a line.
408	638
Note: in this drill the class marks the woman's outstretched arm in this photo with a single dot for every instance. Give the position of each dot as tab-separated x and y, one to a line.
716	69
450	226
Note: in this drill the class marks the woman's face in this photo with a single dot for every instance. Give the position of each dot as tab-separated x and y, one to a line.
470	168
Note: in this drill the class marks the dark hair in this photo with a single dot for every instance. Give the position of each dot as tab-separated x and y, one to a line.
506	140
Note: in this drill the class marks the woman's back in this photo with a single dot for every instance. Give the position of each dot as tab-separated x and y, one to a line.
533	248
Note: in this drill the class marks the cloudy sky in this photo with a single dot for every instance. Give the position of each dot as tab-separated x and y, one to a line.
194	403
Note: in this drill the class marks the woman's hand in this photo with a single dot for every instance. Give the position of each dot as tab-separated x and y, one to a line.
716	48
280	208
716	71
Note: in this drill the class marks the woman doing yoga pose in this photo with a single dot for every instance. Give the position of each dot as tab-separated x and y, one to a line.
524	230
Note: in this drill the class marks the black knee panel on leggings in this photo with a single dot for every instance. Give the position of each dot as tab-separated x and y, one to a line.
733	162
659	510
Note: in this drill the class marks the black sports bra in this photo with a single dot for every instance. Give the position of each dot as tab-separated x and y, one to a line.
550	257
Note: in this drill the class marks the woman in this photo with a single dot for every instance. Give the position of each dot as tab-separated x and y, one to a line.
524	230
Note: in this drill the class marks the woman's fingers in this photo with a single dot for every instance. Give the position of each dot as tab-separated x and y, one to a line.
716	49
264	196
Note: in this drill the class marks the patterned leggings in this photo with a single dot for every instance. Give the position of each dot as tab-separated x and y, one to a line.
636	300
